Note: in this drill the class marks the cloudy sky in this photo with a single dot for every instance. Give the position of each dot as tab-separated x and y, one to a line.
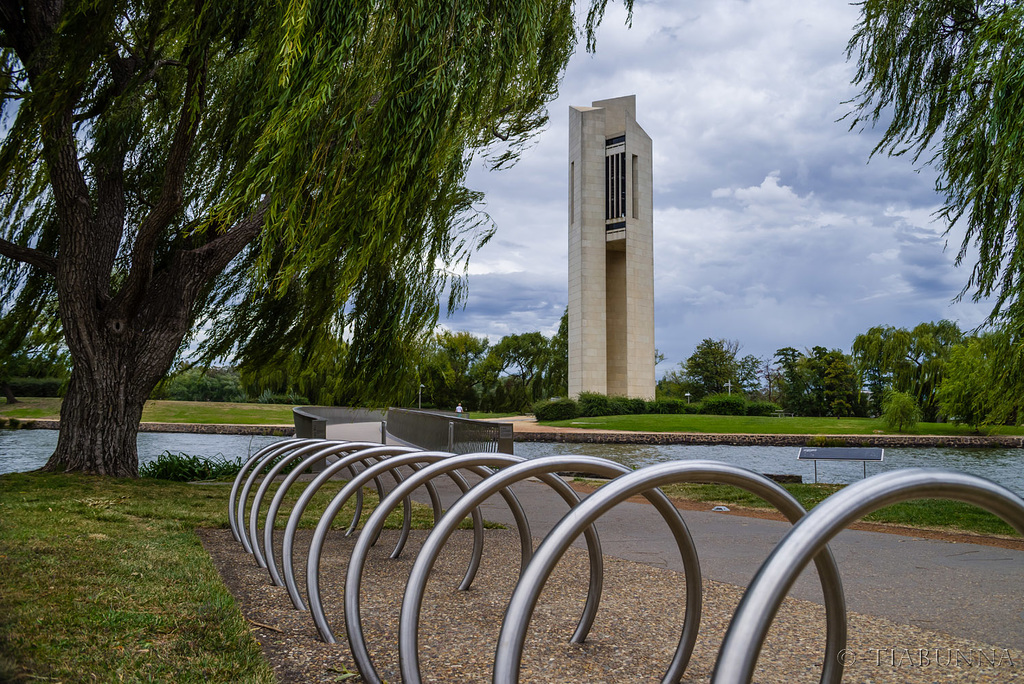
771	227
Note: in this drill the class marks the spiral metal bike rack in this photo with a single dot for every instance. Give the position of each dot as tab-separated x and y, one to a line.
805	542
483	461
316	453
321	449
277	448
746	634
520	608
372	530
292	526
414	593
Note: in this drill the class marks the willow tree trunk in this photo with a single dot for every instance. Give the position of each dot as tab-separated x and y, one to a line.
115	370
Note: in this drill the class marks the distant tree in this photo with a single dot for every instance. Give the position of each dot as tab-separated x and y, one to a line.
772	375
675	384
911	361
840	383
750	375
900	411
712	364
964	395
794	385
520	360
556	379
453	369
822	382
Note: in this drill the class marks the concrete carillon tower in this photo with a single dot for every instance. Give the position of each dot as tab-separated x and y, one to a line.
611	251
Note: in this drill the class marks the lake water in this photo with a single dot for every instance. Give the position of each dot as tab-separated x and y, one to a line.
23	450
1005	466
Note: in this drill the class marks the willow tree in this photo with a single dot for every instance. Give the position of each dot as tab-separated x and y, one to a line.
910	361
945	77
258	175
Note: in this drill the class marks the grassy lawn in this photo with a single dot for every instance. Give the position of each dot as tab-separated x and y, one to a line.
46	408
923	513
108	577
168	412
766	425
481	415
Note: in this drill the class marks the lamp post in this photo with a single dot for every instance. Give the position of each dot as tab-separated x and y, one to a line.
728	386
419	398
687	397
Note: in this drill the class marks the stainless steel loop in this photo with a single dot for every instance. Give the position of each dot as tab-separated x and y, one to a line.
756	611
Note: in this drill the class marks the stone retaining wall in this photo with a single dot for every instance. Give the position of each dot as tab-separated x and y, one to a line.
884	441
587	437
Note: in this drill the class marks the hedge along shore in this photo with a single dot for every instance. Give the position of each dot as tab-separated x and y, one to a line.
541	433
535	433
282	430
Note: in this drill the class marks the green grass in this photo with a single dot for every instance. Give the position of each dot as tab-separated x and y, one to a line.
924	513
766	425
108	577
186	412
482	415
32	408
168	412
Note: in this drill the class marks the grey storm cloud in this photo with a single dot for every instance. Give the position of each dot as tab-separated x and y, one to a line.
772	227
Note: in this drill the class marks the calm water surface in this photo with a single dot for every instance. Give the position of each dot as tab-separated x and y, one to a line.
23	450
1005	466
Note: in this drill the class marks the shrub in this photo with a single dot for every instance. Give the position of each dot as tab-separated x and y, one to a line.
724	405
637	407
181	467
900	411
593	404
618	406
198	384
36	387
691	408
762	408
666	406
557	409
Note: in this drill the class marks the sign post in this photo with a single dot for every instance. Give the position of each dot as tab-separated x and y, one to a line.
863	454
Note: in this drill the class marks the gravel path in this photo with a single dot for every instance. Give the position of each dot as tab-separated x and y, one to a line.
632	640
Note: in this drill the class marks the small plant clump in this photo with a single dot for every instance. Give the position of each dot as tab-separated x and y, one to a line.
181	467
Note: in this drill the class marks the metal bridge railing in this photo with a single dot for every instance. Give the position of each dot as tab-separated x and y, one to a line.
440	431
